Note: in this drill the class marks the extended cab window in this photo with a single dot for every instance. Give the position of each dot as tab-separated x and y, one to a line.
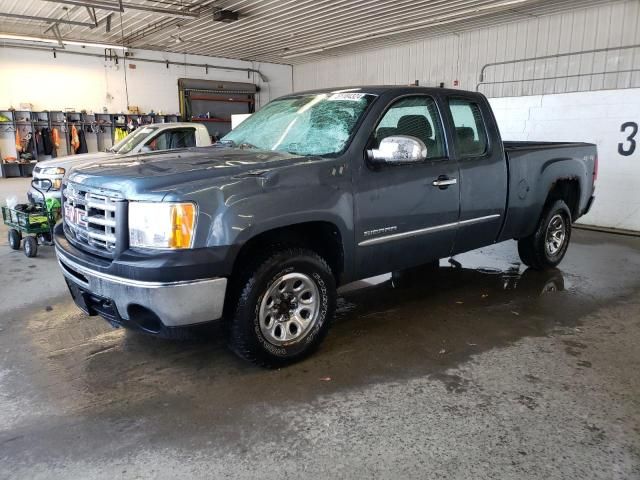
172	139
470	133
415	116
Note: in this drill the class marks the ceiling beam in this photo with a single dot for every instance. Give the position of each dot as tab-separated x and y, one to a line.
197	8
122	6
92	14
55	28
47	19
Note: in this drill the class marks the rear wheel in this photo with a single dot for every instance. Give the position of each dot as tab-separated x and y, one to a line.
284	307
30	246
14	237
547	246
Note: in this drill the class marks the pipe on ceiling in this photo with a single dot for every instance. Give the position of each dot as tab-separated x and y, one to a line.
206	66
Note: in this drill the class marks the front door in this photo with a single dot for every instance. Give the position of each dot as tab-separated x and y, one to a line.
407	214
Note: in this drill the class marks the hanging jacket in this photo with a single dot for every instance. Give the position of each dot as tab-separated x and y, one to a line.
39	142
120	134
47	144
55	137
18	141
74	139
82	146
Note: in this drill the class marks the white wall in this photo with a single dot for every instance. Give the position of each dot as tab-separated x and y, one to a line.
594	117
534	110
90	83
461	56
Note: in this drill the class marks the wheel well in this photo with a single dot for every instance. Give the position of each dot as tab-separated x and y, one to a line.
322	237
569	191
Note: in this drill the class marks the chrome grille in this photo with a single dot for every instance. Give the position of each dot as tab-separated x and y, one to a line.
90	218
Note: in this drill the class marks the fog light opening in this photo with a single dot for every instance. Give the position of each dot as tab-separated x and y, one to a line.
144	318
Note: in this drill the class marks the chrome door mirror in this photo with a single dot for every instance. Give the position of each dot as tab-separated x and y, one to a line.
398	149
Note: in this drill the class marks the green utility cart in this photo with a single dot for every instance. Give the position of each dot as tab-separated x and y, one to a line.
34	222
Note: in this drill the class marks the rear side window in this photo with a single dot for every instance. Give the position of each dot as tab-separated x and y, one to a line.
416	117
470	133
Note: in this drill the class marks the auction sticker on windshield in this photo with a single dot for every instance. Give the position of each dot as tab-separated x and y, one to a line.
354	97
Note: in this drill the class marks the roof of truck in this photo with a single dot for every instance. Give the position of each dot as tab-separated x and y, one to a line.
380	89
173	124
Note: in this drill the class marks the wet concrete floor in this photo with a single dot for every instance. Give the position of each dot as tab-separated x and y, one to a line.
483	371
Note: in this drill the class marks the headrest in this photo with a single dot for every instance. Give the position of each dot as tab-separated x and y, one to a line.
465	133
415	124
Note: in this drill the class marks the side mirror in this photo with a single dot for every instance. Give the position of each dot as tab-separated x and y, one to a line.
398	149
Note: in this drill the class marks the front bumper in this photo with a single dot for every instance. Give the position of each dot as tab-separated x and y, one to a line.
174	304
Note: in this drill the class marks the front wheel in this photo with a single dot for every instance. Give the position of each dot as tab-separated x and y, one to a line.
547	246
284	307
30	247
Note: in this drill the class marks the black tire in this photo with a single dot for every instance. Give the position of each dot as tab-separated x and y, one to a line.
30	247
15	237
246	336
533	250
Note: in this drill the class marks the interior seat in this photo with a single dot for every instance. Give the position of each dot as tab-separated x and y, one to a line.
418	126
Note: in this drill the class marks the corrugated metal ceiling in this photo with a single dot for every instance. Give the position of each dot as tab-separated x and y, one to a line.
279	31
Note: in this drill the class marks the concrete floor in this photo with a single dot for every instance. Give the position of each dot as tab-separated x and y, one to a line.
487	371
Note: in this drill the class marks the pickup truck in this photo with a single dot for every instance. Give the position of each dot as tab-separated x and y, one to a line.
154	137
315	190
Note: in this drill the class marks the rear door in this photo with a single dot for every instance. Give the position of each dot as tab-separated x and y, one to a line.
403	219
483	171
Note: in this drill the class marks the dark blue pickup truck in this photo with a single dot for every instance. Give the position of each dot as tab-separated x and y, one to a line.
315	190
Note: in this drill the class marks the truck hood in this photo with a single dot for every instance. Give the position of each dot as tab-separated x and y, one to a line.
162	172
71	161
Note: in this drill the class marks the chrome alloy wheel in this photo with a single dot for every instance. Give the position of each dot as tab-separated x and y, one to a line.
556	235
289	309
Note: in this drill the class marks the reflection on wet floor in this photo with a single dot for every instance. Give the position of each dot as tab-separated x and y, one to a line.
385	328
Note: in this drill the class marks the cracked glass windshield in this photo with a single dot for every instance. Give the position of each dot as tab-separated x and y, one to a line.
314	124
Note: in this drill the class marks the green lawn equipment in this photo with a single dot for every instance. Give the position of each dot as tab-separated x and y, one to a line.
34	222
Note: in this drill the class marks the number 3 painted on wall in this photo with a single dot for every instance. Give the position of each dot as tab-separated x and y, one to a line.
631	139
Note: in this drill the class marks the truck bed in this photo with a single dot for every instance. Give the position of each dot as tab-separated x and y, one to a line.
533	168
511	146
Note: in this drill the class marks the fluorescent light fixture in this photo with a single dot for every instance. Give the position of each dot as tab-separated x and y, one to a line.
25	38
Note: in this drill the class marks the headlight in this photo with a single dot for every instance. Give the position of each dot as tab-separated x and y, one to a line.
161	225
52	171
56	184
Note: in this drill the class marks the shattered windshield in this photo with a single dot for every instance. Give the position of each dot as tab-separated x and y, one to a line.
313	124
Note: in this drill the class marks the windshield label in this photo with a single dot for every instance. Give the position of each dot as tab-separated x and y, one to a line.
353	97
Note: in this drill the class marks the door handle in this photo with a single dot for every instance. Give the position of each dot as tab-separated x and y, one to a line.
443	181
